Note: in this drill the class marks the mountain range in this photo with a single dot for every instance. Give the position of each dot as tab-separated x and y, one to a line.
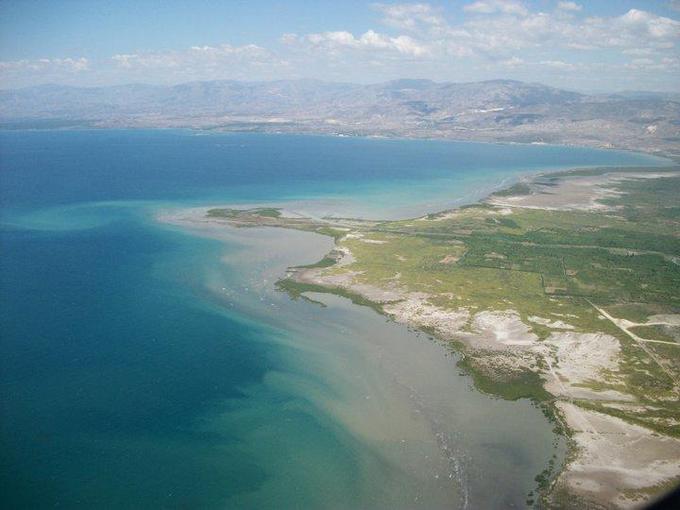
496	110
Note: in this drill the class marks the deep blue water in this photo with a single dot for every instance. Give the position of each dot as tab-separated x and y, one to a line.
114	351
104	368
59	167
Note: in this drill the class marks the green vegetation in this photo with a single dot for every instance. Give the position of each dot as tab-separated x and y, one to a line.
224	213
328	261
662	420
639	312
521	188
658	332
553	269
525	384
266	212
541	263
297	290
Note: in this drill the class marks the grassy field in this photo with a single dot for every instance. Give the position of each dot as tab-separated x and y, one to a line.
537	262
551	264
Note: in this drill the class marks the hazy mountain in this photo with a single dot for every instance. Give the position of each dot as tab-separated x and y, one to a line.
646	94
503	110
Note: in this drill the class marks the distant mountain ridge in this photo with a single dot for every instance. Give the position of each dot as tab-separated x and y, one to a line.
499	110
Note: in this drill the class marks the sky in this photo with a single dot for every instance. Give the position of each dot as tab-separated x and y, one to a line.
592	45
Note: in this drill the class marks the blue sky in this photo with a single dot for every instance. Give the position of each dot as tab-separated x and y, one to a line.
594	45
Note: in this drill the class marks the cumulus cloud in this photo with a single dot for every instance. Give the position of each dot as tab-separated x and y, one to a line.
569	6
497	29
497	6
646	24
289	38
410	16
370	41
501	37
633	30
506	34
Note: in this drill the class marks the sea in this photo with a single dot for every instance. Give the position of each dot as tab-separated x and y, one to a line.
148	365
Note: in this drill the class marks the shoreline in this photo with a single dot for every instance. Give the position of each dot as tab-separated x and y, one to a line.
471	333
206	131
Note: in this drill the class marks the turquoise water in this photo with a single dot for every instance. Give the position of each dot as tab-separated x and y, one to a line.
145	366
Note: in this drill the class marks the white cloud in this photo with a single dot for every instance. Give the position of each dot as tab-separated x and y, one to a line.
199	62
650	25
648	64
500	38
569	6
504	35
638	51
198	58
335	42
126	61
513	62
558	64
633	29
46	65
496	6
410	16
19	73
289	38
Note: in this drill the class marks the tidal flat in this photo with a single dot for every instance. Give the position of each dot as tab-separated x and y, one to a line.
420	433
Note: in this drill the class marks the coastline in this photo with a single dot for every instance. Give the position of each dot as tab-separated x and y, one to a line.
519	343
431	391
674	158
660	153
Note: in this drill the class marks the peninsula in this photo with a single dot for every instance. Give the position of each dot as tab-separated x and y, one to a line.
564	288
